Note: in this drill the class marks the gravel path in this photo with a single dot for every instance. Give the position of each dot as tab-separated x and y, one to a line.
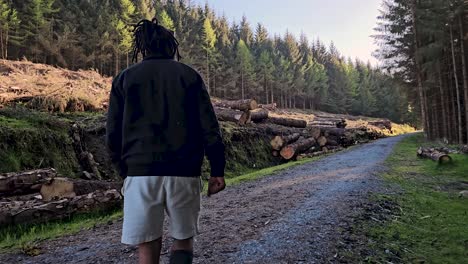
293	216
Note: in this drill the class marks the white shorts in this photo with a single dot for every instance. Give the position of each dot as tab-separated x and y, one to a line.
147	197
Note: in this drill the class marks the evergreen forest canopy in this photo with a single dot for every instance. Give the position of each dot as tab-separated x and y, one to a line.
423	42
237	60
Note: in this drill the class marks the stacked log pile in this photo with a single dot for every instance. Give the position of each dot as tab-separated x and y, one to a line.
382	124
40	195
322	121
464	149
434	154
291	142
243	112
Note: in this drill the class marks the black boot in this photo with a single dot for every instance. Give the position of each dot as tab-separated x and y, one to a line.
181	257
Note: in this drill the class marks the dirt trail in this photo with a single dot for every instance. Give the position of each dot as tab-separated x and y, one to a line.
293	216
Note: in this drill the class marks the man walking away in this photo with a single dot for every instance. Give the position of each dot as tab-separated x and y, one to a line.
160	125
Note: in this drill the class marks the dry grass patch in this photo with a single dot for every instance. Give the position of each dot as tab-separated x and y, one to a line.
52	89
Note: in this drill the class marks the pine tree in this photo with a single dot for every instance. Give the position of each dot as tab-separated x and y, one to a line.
244	67
209	41
9	22
165	20
145	9
245	32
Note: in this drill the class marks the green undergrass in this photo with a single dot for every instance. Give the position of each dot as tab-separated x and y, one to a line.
25	238
32	140
431	220
265	172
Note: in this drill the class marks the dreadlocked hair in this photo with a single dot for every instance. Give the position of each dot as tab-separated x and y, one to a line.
152	38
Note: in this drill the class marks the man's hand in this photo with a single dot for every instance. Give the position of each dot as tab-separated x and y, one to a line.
215	185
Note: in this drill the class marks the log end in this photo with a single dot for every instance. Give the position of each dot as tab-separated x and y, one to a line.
445	159
277	143
253	105
287	153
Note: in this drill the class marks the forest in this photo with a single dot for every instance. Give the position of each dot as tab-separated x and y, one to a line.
422	42
237	60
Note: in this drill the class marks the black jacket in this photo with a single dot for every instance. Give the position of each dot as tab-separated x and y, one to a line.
161	121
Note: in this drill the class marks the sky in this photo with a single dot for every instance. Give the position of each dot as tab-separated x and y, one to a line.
348	23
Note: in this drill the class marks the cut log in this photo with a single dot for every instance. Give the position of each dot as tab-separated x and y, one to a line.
338	132
464	149
315	132
278	130
332	142
59	188
322	141
341	124
24	182
290	122
279	141
88	163
291	151
230	115
323	124
36	211
242	105
269	107
275	153
383	124
434	155
258	115
319	153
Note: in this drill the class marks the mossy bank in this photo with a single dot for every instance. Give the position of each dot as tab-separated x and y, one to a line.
32	140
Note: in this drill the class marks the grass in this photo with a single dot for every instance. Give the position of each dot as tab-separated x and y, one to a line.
31	140
431	223
268	171
25	238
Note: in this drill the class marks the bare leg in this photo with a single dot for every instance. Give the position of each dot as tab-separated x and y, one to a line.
150	252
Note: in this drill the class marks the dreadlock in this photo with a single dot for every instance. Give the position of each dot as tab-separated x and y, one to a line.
152	38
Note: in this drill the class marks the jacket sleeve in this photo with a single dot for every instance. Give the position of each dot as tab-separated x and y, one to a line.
212	140
114	125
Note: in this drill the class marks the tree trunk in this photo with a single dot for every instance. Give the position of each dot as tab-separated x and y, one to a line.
435	155
288	122
258	115
24	182
7	39
418	73
269	107
280	141
242	84
37	211
213	86
297	148
322	141
272	96
453	113
1	45
266	90
235	116
242	105
443	103
59	188
455	75
117	65
465	73
208	72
